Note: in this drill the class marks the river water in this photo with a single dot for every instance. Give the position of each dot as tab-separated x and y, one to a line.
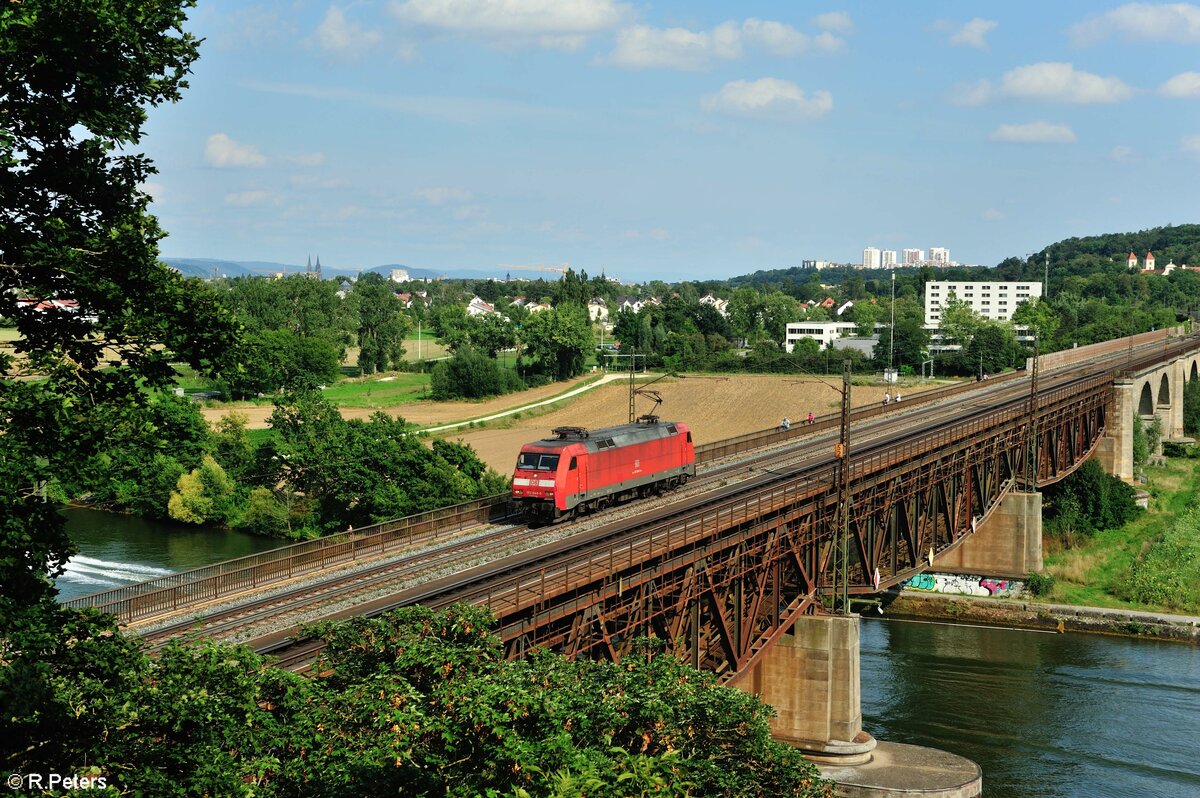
1045	715
117	550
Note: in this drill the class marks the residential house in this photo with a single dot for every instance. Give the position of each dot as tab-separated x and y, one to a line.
477	307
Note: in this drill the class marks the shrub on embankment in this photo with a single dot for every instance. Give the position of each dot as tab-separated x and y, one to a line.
1165	572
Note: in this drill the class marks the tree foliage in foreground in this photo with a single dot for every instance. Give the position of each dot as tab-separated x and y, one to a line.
417	702
76	79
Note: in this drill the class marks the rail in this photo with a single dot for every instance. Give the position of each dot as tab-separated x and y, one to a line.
200	585
208	583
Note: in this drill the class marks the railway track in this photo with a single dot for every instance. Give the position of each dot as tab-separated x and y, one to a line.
807	451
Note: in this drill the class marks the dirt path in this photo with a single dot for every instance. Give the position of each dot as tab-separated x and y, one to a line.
423	412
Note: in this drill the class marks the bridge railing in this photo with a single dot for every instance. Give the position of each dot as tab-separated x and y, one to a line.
211	582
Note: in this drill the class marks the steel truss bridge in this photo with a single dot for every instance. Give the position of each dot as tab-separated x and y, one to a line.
720	578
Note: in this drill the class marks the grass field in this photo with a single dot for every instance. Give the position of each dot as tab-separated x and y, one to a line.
392	389
1089	573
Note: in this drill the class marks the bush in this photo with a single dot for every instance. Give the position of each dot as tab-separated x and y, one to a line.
1088	500
1040	584
265	514
470	374
1165	574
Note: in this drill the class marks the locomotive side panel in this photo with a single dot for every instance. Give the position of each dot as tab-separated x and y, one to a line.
554	477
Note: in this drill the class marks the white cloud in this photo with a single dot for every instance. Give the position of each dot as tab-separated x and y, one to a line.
471	212
221	150
342	38
976	93
559	24
1183	85
834	20
1191	144
778	38
440	195
308	159
1046	82
458	110
644	47
993	215
1034	133
768	98
244	198
1150	22
1061	82
1120	153
312	181
971	34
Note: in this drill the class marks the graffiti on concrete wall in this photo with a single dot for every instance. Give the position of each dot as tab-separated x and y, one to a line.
965	585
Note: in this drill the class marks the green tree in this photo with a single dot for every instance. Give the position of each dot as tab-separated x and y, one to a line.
1191	407
277	359
959	322
360	472
470	374
993	347
778	310
1041	319
77	80
491	333
745	313
382	324
560	340
203	495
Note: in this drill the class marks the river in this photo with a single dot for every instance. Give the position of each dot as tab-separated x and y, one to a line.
1045	715
117	550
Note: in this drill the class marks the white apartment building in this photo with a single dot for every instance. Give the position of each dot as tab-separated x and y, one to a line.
940	256
914	257
872	258
994	301
889	259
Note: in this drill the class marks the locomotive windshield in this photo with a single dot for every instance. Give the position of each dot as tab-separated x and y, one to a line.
536	461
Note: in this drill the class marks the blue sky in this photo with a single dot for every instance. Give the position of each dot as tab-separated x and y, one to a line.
674	140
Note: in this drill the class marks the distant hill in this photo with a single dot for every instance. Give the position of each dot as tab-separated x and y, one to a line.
1180	243
209	267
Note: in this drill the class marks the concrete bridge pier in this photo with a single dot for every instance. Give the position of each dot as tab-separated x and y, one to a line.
812	679
1008	542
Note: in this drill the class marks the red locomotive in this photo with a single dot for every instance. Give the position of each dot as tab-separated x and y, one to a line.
579	470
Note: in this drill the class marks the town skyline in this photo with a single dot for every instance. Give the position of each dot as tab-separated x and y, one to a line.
673	141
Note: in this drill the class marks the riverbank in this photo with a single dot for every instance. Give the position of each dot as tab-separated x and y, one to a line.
1018	614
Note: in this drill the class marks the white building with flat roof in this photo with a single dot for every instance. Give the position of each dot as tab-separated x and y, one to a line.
993	301
940	256
889	259
823	332
871	258
914	257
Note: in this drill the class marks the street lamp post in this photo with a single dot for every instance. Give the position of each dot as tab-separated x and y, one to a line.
892	331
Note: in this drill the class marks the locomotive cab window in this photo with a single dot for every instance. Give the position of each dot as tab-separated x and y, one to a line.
571	467
536	461
689	436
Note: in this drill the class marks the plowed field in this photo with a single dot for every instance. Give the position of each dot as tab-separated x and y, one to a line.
714	408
